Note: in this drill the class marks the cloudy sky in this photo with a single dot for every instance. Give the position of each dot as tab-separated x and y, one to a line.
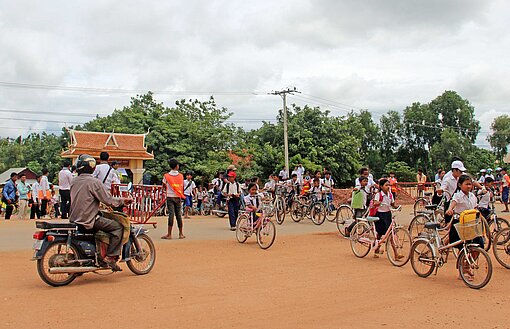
342	54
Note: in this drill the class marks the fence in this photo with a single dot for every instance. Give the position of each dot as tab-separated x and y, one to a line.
147	200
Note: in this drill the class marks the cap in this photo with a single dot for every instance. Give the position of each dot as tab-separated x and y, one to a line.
489	170
232	167
483	171
458	165
498	168
232	174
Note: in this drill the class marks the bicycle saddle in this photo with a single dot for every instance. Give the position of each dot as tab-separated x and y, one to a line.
426	212
431	206
432	225
428	193
372	219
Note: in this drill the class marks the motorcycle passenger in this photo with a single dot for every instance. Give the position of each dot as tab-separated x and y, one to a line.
86	194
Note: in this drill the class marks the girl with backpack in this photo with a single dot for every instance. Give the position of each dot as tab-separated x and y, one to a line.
381	207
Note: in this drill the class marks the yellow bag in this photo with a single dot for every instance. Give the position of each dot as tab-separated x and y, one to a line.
468	216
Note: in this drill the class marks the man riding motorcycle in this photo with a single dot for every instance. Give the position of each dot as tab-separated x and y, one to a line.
86	194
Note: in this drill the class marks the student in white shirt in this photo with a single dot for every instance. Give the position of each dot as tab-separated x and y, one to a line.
317	190
35	210
383	200
253	201
65	177
284	174
232	191
328	183
461	201
189	192
371	183
44	192
104	172
486	198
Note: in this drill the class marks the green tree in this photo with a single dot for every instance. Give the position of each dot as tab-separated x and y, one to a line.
402	170
500	137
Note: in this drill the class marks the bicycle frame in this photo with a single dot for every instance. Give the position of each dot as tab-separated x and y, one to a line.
379	242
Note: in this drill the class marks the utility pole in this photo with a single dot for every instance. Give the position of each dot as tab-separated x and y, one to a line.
283	95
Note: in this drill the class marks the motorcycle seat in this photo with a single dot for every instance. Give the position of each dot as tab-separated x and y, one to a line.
48	225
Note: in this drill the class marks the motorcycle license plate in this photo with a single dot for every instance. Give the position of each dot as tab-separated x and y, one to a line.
38	244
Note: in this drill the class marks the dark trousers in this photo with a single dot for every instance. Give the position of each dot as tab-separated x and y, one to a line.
174	207
8	210
35	211
233	211
384	222
65	202
115	229
44	206
56	210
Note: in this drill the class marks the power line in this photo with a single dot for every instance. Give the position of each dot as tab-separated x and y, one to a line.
50	113
128	91
41	120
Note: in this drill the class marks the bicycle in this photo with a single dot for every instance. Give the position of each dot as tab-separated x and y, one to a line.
495	223
263	227
428	253
280	204
501	247
421	202
363	238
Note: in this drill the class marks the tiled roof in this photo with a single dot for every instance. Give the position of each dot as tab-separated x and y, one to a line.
117	145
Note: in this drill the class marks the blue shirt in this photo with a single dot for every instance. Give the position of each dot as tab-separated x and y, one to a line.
9	191
23	191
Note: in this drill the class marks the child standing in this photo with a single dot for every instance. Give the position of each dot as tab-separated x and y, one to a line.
358	202
383	200
393	184
253	201
328	183
201	195
173	183
486	198
232	191
190	190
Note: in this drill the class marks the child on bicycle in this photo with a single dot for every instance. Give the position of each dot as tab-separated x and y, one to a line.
253	201
485	198
383	201
317	190
461	201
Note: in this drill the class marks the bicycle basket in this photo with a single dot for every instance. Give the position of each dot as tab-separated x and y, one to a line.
470	230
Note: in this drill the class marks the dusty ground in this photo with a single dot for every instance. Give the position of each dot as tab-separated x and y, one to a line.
309	278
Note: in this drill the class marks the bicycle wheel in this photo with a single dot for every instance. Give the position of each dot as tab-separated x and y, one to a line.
494	229
280	211
398	247
475	267
295	211
501	247
419	205
317	213
417	225
422	258
344	217
266	234
330	216
487	237
361	239
243	228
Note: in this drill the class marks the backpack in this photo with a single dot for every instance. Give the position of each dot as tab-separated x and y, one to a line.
358	199
373	209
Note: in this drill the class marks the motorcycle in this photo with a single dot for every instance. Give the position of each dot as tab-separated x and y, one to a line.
64	251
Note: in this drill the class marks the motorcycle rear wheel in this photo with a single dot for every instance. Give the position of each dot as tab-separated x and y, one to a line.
142	261
53	257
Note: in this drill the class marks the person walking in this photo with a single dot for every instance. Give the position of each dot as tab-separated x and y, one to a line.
23	191
173	184
44	192
9	195
35	209
284	174
421	179
232	191
65	177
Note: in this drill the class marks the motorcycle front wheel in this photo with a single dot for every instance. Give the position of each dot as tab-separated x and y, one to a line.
142	261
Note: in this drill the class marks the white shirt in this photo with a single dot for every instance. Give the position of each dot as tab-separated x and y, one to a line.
284	174
270	186
449	184
328	184
316	190
44	185
485	199
464	202
189	186
232	188
253	200
481	180
100	173
64	179
292	185
35	191
386	201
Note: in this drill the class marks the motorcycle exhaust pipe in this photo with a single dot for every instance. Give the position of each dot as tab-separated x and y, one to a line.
71	269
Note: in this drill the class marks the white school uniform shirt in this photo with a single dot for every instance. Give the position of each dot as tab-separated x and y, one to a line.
253	200
65	177
284	174
232	188
371	183
35	191
269	186
481	180
100	173
189	186
387	200
464	202
449	184
44	185
485	199
328	184
317	191
291	185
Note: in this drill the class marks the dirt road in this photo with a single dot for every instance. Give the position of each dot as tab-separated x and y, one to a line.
304	281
